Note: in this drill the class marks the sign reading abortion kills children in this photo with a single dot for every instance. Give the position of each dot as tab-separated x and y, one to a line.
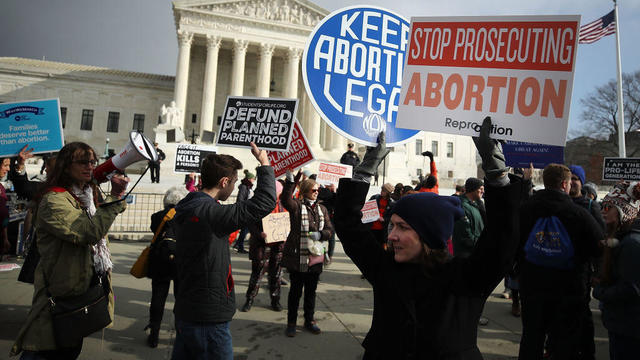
352	69
265	121
189	157
521	154
299	154
36	123
517	69
621	169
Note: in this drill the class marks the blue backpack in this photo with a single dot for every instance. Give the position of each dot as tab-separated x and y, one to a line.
549	245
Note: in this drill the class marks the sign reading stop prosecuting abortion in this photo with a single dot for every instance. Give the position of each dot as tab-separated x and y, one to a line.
267	122
352	69
517	69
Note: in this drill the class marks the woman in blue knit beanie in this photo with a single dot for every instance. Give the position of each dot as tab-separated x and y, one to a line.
426	303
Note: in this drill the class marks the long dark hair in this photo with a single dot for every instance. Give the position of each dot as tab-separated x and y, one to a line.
59	176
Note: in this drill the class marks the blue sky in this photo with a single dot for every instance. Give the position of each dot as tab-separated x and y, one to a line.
139	35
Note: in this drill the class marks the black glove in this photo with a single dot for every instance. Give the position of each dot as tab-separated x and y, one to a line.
371	160
493	162
429	154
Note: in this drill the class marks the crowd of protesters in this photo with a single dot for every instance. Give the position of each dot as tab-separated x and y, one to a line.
432	260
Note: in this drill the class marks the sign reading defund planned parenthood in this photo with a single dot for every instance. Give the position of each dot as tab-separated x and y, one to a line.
189	157
299	154
352	69
517	69
36	123
266	122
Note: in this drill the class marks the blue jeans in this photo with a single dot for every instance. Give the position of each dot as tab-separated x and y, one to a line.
202	341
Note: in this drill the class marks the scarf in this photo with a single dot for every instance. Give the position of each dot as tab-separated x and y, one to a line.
101	254
309	247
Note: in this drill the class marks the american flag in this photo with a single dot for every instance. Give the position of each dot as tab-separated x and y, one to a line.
595	30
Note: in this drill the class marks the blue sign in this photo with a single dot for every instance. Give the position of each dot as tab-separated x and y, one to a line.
521	154
352	69
34	123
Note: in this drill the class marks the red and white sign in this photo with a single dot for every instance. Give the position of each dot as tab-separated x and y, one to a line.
517	69
370	212
299	153
330	173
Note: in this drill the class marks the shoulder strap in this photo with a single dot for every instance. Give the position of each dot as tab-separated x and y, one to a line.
590	202
168	216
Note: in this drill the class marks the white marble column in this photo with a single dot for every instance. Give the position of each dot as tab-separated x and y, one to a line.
263	81
313	123
328	138
182	72
237	69
292	63
209	88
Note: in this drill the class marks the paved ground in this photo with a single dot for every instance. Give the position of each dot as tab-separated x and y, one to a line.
344	306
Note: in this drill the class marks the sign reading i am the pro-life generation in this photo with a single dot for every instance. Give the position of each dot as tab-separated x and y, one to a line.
352	70
299	154
35	123
517	69
331	173
189	157
268	122
621	169
521	154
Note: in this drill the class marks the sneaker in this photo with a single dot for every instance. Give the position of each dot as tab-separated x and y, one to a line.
283	282
506	295
327	260
312	327
242	251
483	321
291	330
247	305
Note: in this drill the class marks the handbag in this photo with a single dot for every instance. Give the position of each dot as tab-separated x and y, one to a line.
27	273
76	317
140	268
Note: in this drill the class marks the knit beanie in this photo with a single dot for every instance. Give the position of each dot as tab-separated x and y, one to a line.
431	216
388	187
249	175
578	171
591	188
472	184
624	196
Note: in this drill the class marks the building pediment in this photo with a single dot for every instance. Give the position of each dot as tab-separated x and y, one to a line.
289	12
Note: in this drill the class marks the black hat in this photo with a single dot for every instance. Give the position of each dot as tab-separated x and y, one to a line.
472	184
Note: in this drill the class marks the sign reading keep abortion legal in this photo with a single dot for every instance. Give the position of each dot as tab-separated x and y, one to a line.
267	122
517	69
35	123
352	69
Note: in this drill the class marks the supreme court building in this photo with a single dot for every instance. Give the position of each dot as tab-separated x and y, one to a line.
240	48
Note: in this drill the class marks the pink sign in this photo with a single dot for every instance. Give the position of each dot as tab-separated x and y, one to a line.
299	153
330	173
370	212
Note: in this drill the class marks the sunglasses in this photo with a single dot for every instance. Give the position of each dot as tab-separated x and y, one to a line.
85	162
314	190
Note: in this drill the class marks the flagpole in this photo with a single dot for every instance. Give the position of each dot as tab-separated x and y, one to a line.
621	140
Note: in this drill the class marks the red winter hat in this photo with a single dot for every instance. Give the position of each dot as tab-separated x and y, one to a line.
625	197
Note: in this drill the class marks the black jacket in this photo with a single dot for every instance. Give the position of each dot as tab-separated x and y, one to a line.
584	232
204	281
593	207
416	316
350	158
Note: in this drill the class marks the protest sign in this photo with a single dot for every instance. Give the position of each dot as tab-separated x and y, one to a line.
330	173
621	169
299	153
276	226
521	154
189	157
265	121
370	212
517	69
352	69
35	123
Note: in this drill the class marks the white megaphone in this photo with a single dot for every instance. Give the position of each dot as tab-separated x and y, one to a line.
138	148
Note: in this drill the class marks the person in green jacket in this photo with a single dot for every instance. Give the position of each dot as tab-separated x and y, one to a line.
71	231
467	230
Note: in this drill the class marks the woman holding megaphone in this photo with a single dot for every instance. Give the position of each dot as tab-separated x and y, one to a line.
71	231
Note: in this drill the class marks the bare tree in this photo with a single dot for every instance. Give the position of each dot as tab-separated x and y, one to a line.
600	109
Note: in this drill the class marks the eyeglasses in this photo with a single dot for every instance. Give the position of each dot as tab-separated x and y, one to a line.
314	190
93	163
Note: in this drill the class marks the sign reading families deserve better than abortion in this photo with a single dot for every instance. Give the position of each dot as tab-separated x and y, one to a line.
352	69
517	69
189	157
299	154
265	121
35	123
